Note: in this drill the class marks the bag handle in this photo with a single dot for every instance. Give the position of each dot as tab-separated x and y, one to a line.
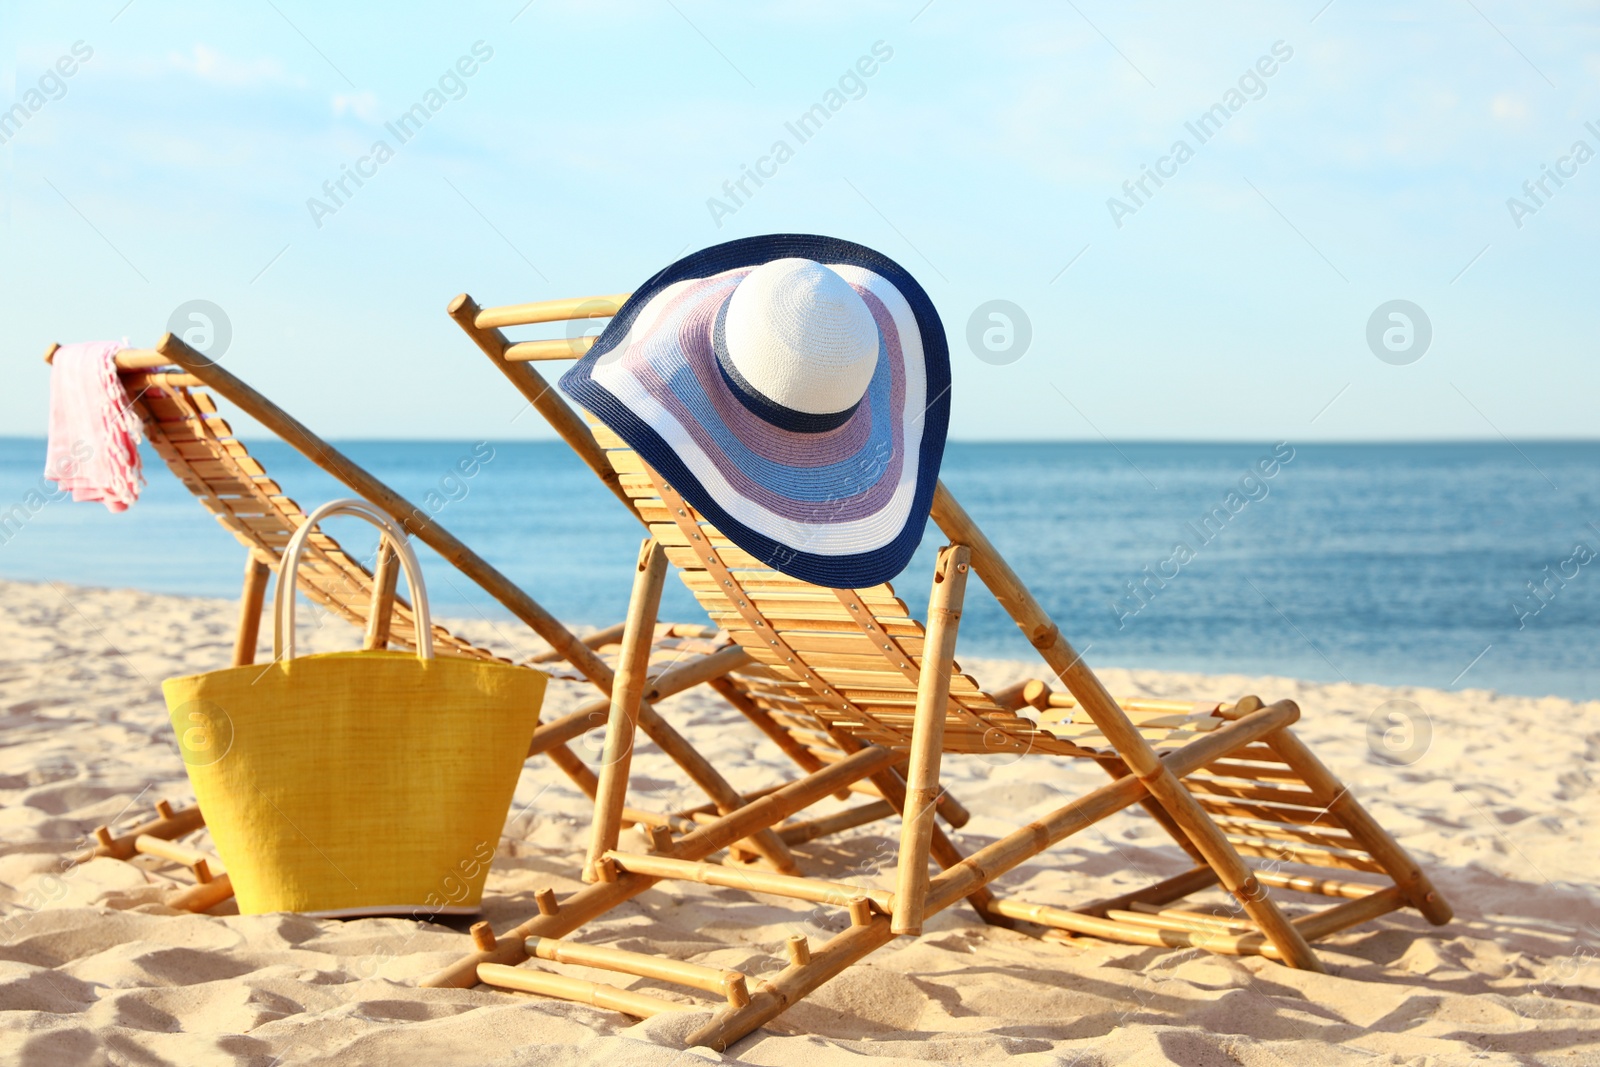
283	597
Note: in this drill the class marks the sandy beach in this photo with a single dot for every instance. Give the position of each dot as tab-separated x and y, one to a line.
94	970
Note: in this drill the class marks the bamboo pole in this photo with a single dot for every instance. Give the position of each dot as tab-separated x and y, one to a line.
1229	921
893	789
1156	811
1171	932
127	359
251	601
815	890
1147	931
574	768
558	348
1124	736
1351	912
1324	887
611	998
803	757
384	582
626	693
539	393
694	975
597	899
798	833
951	810
597	640
575	724
1162	892
577	307
1014	696
589	784
197	861
927	738
696	671
1168	920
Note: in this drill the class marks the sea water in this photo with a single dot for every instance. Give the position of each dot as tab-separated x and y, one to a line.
1471	565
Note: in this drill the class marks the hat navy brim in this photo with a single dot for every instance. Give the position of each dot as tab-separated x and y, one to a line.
842	571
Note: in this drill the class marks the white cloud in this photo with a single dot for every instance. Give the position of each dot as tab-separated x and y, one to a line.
210	65
363	105
1508	108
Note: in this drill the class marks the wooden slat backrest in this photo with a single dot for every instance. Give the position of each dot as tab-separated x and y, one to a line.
849	660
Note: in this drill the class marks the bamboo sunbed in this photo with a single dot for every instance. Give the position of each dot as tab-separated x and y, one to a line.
1225	780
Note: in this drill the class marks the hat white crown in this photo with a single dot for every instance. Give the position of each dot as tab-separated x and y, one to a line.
802	337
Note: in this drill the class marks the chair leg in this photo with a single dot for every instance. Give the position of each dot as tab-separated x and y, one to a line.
626	693
384	582
927	739
256	574
944	852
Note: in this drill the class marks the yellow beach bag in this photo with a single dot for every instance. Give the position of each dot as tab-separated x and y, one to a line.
356	783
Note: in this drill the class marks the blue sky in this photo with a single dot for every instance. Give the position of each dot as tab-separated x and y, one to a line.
1375	163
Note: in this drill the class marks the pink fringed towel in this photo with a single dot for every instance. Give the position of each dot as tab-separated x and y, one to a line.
94	434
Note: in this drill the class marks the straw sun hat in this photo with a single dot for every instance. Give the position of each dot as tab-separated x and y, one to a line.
794	389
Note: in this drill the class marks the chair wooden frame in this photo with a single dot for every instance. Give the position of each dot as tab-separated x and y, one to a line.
1225	781
168	389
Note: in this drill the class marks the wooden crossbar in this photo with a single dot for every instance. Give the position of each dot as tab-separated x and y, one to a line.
815	890
559	348
193	858
585	307
730	984
798	833
526	980
127	359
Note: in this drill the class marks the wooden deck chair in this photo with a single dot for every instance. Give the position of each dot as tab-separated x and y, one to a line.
1225	780
183	426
